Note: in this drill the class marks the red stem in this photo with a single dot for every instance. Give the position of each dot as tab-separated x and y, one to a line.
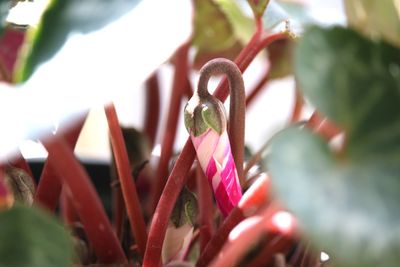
234	249
68	212
128	187
179	86
164	208
86	201
152	107
252	199
279	244
206	211
49	188
297	107
175	182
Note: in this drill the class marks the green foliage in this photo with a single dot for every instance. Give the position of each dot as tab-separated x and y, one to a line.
62	18
185	210
258	7
377	19
4	8
347	201
29	237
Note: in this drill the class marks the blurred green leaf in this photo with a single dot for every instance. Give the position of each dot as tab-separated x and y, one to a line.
280	55
220	30
31	238
377	19
347	202
5	6
62	18
258	7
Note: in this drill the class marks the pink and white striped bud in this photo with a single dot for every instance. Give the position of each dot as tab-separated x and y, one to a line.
205	121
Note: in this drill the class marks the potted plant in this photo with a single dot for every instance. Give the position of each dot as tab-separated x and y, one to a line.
325	182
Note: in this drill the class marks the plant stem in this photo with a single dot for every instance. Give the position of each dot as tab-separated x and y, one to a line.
49	188
236	248
252	199
86	202
159	223
205	200
176	179
279	243
179	86
152	111
128	187
237	105
297	107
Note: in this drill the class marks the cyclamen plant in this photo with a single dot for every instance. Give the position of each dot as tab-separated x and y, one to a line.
301	193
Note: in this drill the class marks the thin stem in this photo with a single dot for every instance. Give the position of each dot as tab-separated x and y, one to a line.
128	187
234	249
237	105
205	200
297	107
179	86
86	201
49	188
251	201
152	112
279	243
173	187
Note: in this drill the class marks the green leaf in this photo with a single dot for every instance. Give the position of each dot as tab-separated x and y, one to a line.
185	210
280	55
29	237
346	202
258	7
355	82
220	30
377	19
60	20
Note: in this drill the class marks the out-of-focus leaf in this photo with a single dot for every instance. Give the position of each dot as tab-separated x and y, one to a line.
21	184
212	30
220	30
377	19
31	238
243	26
280	55
347	202
258	7
62	18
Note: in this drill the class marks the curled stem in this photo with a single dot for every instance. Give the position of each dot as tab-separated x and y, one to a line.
237	104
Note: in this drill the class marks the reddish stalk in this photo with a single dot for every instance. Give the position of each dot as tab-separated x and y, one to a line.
86	201
175	182
179	86
297	107
236	247
279	244
164	208
68	212
258	88
251	201
206	212
152	112
49	188
128	187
